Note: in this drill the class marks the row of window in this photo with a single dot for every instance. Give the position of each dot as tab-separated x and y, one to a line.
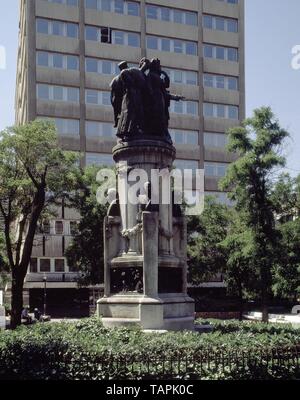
57	93
58	228
172	45
152	11
42	265
217	170
220	82
116	6
66	2
95	129
172	15
220	53
97	97
105	67
186	164
99	159
217	140
102	98
212	110
53	27
57	60
186	107
220	23
106	35
180	136
230	1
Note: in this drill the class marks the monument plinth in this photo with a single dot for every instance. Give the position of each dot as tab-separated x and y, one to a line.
145	239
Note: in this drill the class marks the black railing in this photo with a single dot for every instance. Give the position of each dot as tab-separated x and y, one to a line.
258	362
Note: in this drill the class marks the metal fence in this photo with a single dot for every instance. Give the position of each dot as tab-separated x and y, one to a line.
202	363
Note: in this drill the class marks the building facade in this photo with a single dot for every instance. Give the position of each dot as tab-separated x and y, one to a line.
69	52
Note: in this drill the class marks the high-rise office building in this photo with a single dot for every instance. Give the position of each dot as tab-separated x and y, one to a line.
69	52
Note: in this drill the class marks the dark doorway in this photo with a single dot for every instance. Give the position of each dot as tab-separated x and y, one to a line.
61	303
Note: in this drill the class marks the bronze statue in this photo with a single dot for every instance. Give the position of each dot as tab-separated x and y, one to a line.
128	91
141	101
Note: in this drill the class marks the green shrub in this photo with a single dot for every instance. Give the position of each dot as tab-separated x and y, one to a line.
87	350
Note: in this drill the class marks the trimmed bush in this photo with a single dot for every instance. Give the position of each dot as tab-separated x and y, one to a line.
86	350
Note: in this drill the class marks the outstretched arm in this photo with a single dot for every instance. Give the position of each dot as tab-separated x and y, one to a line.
176	97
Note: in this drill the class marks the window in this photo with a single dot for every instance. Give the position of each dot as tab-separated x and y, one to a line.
221	111
172	45
186	164
233	112
217	170
57	93
72	63
95	129
59	227
217	140
42	26
43	92
45	265
57	60
91	65
221	53
97	97
220	23
116	6
184	137
66	2
67	127
220	82
208	110
33	265
101	66
184	107
172	15
91	33
59	265
230	1
42	59
99	159
125	38
54	27
152	43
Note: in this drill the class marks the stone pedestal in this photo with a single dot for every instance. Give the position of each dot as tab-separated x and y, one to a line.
145	246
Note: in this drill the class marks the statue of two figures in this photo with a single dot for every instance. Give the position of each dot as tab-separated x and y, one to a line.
141	101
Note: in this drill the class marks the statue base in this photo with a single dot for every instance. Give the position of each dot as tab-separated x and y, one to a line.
145	270
173	312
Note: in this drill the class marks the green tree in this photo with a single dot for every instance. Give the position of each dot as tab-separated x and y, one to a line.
206	256
34	172
286	271
286	197
257	142
85	252
238	247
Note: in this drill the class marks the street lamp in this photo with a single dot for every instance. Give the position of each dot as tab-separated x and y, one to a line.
45	294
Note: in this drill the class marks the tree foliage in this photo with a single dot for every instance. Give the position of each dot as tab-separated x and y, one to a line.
206	257
34	173
85	252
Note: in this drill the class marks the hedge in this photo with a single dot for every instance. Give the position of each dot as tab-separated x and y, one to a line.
87	351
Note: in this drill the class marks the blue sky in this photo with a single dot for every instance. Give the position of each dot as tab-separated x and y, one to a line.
272	30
